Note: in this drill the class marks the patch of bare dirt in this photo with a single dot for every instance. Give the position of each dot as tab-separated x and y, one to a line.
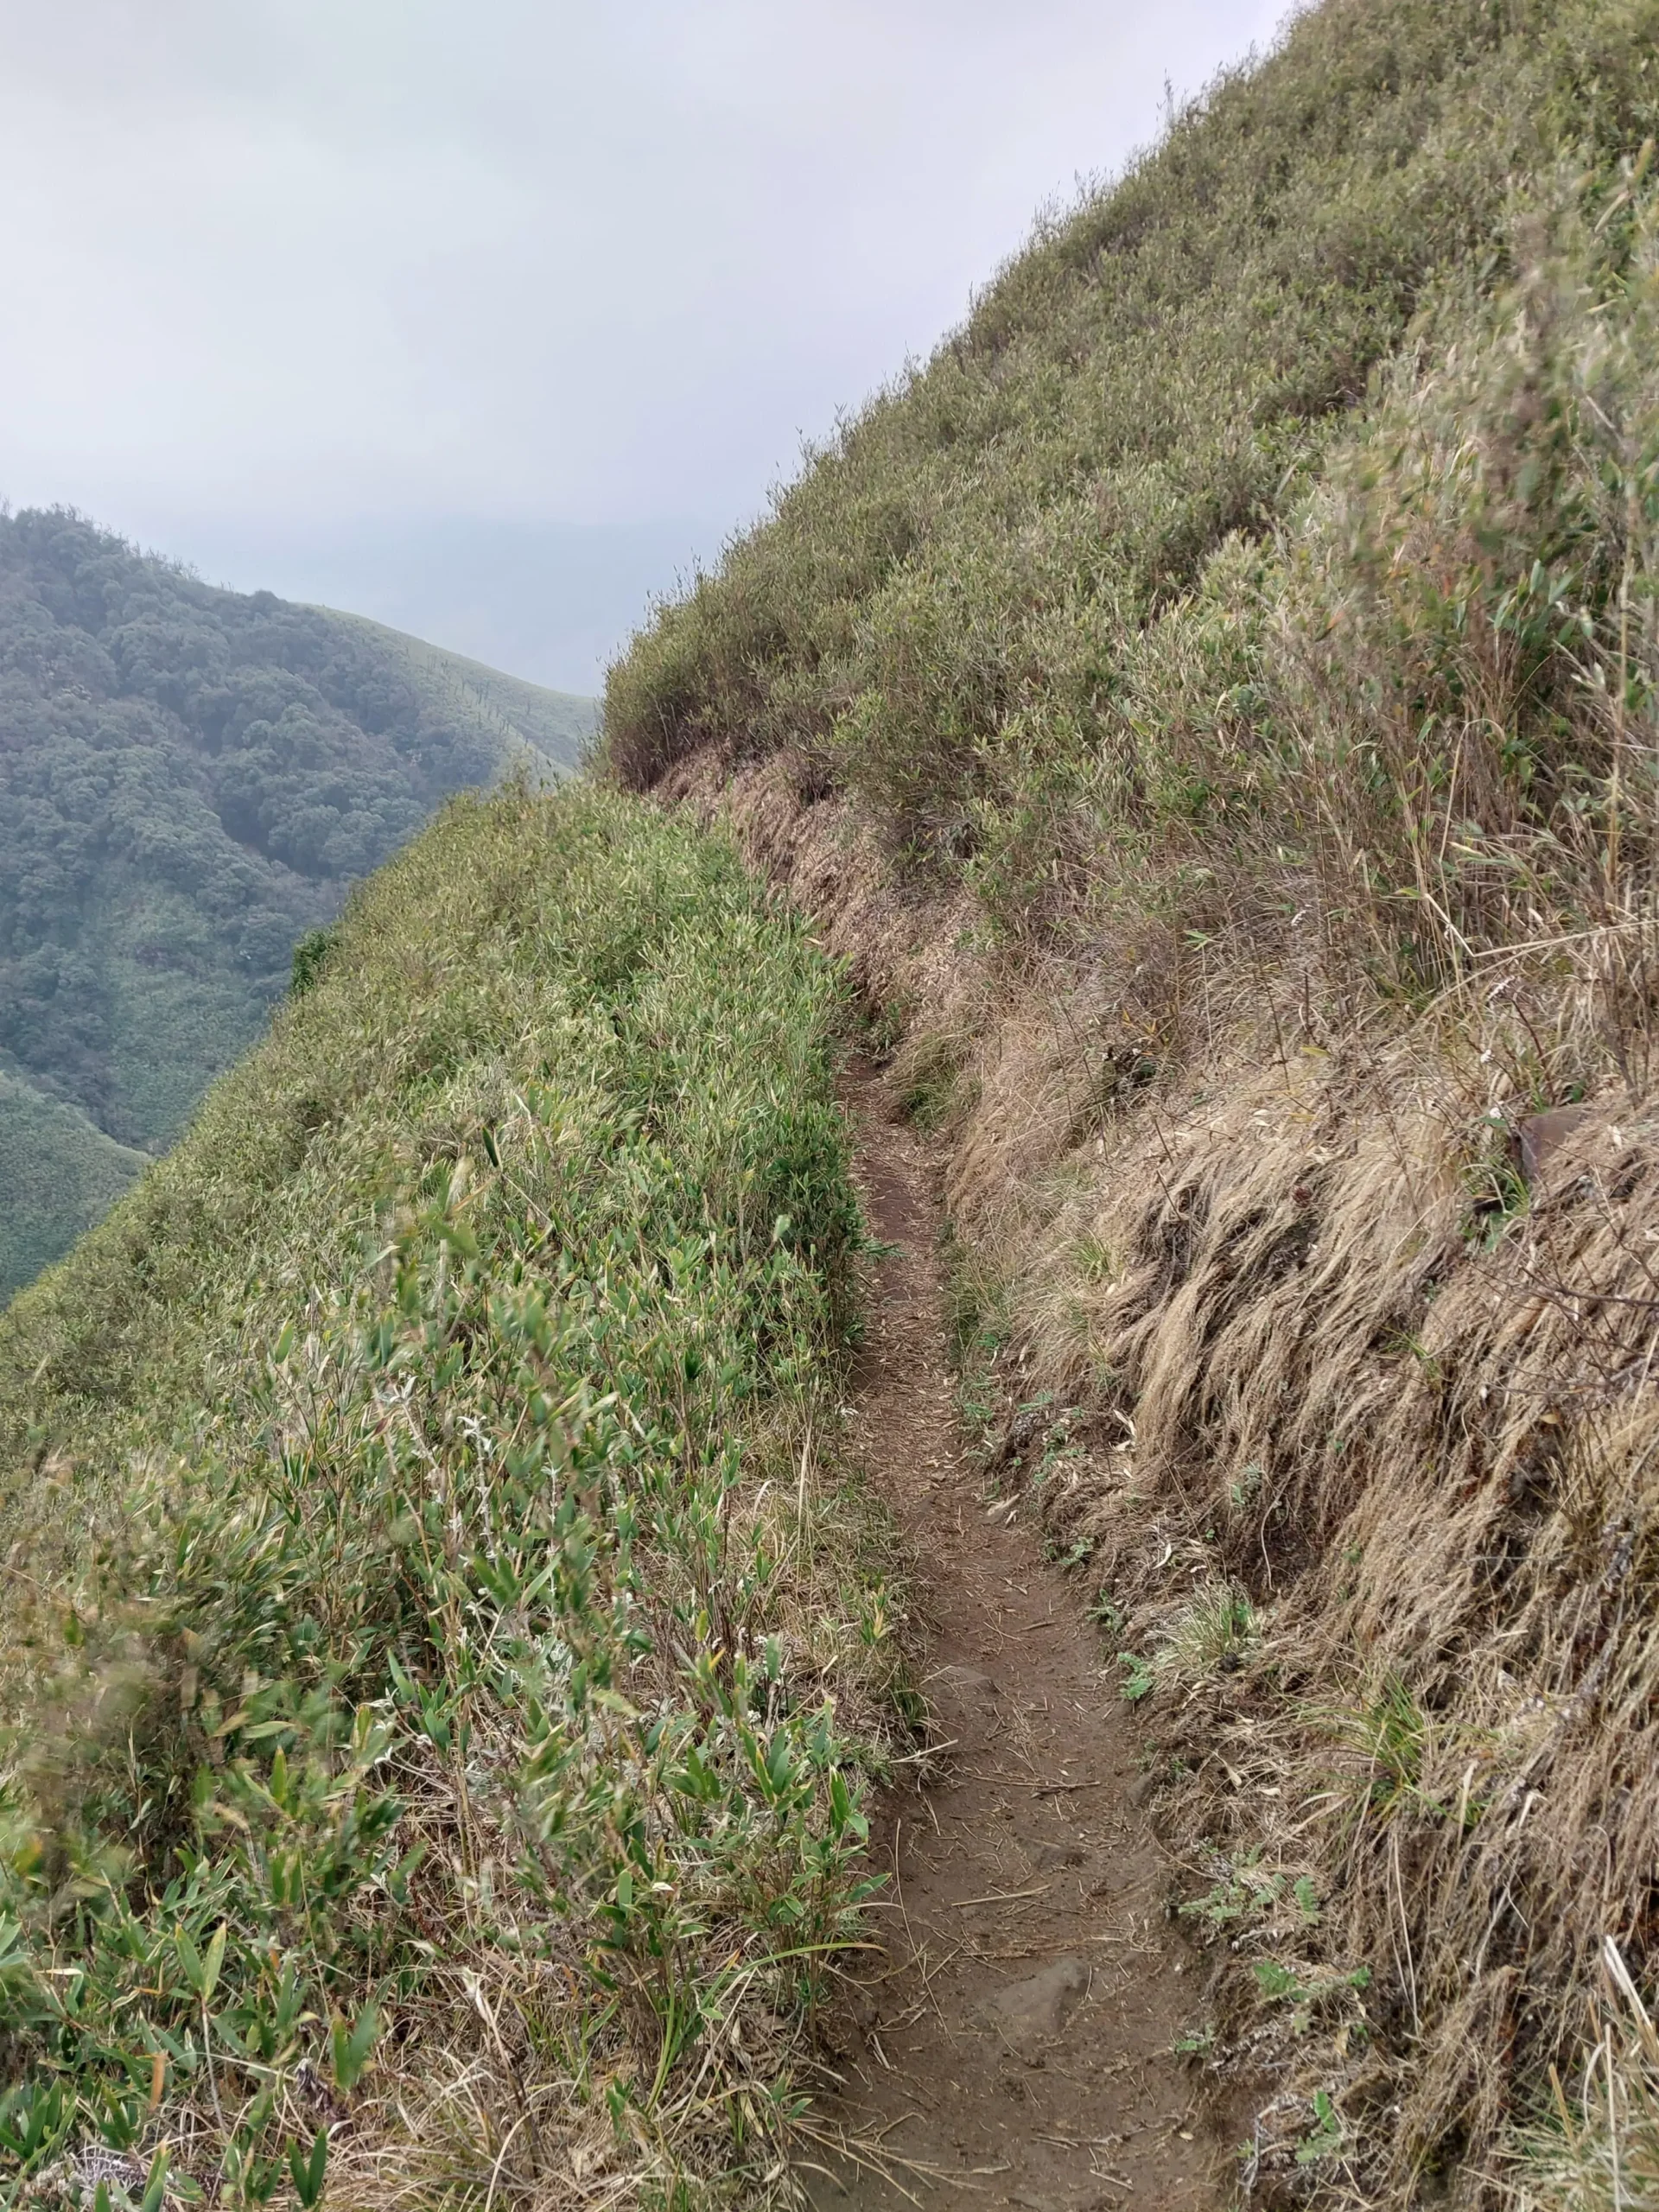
1013	2044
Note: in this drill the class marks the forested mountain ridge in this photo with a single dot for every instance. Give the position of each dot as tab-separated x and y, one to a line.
557	724
190	780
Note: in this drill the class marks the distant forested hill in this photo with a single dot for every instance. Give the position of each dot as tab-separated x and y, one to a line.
190	780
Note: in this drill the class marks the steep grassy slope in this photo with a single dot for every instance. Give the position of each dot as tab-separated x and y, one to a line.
188	780
1214	703
1189	555
425	1607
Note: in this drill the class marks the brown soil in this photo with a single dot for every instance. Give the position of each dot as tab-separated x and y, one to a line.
1012	2045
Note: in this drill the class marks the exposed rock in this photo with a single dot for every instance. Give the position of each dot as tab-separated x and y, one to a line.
1541	1135
1028	2013
965	1685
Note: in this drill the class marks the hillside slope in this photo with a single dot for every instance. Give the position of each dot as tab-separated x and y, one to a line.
425	1598
558	724
59	1175
189	780
1212	706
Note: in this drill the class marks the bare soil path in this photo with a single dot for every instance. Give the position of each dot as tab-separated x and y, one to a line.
1013	2046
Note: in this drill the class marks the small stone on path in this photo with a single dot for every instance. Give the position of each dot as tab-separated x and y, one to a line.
1031	2011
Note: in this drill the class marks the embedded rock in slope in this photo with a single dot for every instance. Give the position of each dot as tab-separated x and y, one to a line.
1031	2012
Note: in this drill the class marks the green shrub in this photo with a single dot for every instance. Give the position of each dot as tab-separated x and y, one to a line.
412	1478
1273	544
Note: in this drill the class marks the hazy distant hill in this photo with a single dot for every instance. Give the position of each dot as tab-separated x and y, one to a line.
58	1175
557	724
190	780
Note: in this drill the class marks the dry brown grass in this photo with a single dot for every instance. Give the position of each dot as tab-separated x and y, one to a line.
1599	2149
1313	1338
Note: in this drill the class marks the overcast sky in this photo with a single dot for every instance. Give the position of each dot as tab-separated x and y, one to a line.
487	316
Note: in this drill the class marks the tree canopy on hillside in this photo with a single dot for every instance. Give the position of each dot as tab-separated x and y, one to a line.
190	778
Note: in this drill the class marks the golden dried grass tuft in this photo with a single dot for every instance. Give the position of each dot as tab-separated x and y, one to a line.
1598	2150
1407	1405
1316	1341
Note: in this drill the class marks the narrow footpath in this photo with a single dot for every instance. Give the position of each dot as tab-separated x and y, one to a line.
1013	2044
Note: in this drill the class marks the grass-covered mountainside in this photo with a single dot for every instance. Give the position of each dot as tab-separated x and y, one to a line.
556	724
1247	540
189	779
438	1679
1216	699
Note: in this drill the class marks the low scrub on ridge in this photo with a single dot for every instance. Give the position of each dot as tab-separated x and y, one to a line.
440	1679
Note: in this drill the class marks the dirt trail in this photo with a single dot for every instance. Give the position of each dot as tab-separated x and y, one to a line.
1012	2047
